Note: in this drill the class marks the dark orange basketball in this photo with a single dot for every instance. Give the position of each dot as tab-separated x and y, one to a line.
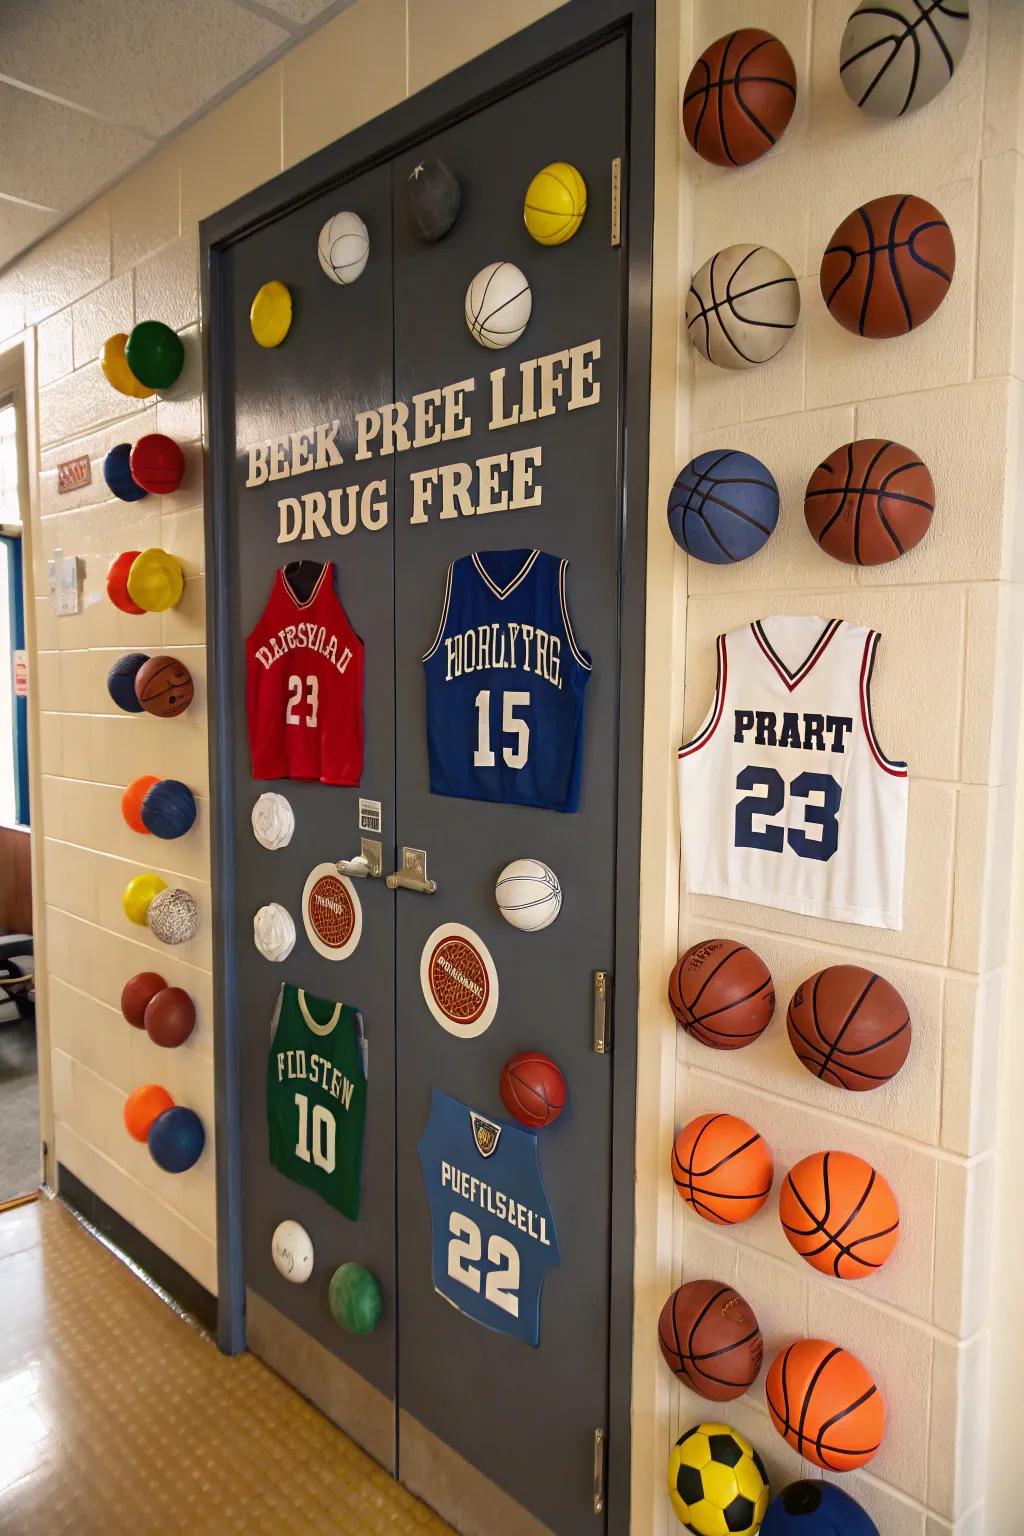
824	1403
170	1017
710	1338
164	687
839	1214
722	1168
722	994
849	1027
117	581
132	798
869	502
142	1107
739	97
137	993
888	266
532	1088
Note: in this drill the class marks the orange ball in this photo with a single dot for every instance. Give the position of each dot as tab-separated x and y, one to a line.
722	1168
825	1404
839	1214
117	582
131	801
142	1107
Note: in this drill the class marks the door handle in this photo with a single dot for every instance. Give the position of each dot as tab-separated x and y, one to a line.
412	876
368	863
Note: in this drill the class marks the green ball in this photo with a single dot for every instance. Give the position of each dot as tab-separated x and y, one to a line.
155	354
354	1299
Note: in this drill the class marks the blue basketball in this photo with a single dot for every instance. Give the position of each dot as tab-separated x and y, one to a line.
168	808
117	473
723	506
176	1139
811	1509
121	681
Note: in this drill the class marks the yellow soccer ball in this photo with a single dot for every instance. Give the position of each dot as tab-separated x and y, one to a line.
717	1482
138	894
115	369
555	203
270	317
155	580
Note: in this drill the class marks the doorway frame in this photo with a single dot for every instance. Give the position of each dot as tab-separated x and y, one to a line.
569	32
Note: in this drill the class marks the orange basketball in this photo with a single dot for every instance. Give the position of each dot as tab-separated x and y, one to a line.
824	1403
131	801
142	1107
839	1214
722	1168
722	994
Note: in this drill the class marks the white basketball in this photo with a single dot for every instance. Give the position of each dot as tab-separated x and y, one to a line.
498	305
343	247
292	1250
742	306
528	895
898	56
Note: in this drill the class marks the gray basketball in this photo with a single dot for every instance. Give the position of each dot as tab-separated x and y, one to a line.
742	306
897	55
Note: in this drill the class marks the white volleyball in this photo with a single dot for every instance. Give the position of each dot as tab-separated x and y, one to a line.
292	1250
742	306
273	931
528	895
898	56
498	305
343	247
273	821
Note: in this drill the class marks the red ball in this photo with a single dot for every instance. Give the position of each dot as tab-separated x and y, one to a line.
157	463
170	1017
136	994
117	582
532	1088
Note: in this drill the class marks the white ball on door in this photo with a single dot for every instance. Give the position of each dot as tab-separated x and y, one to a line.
528	895
292	1250
498	305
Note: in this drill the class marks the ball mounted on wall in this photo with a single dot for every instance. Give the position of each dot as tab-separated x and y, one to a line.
132	798
869	502
742	306
136	995
811	1508
157	463
155	354
897	56
291	1249
528	895
173	916
164	687
273	931
555	203
273	821
824	1403
722	994
722	1168
117	474
343	247
739	97
142	1107
155	581
170	1017
498	305
138	894
713	1469
121	681
888	266
115	369
710	1340
533	1089
176	1139
839	1214
849	1027
270	315
117	581
723	506
354	1299
434	198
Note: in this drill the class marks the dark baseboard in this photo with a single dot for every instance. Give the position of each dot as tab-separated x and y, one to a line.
169	1276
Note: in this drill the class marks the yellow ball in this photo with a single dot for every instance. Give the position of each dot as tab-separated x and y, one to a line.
555	203
116	370
271	314
138	894
155	580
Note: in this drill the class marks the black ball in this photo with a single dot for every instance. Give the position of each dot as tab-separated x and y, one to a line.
121	681
434	199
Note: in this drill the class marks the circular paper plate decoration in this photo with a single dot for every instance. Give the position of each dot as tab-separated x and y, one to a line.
555	203
528	895
155	354
888	266
722	994
722	1168
839	1214
157	463
816	1509
291	1248
155	581
132	798
825	1404
849	1027
498	305
897	57
115	369
136	995
270	317
117	581
273	931
118	474
343	247
138	894
121	681
710	1340
532	1088
170	1017
176	1139
723	506
717	1482
434	197
354	1299
742	306
869	502
739	97
331	912
168	808
459	980
273	821
142	1107
173	916
163	687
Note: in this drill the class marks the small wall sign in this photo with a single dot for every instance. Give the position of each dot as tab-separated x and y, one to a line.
73	474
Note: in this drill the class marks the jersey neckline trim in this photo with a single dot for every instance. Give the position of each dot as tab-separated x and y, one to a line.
290	594
793	678
318	1029
502	592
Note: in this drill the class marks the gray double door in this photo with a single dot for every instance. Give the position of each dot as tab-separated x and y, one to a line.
453	1407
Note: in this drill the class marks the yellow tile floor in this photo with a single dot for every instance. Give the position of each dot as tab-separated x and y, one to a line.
118	1417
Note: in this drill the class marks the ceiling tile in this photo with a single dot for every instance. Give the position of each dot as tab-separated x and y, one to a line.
54	155
19	226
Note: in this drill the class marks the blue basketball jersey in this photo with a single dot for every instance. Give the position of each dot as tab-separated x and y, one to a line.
492	1230
505	683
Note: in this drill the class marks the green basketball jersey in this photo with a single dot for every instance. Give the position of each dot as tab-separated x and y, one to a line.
316	1096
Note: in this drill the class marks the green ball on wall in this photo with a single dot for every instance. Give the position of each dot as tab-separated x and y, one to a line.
155	354
354	1299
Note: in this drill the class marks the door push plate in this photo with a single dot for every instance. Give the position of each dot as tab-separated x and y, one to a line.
413	874
602	1012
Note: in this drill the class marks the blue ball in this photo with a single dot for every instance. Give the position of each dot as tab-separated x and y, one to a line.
176	1139
723	506
168	808
117	473
121	681
811	1509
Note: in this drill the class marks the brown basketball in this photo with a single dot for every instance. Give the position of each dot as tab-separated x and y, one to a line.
869	502
739	97
136	994
849	1027
722	994
170	1017
888	266
164	687
710	1339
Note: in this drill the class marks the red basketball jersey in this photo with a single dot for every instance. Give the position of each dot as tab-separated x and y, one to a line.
305	687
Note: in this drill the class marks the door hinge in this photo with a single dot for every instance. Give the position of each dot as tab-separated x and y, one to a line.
600	1457
602	1012
616	230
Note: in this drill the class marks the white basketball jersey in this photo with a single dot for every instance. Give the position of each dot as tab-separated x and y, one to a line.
786	798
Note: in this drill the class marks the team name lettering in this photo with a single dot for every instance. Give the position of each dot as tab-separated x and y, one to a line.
311	637
477	1192
512	647
315	1069
803	732
444	964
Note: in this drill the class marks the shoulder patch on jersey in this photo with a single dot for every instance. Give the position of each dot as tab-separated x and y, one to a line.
485	1133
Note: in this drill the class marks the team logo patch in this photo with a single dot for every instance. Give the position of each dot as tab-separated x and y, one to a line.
485	1133
331	912
459	981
